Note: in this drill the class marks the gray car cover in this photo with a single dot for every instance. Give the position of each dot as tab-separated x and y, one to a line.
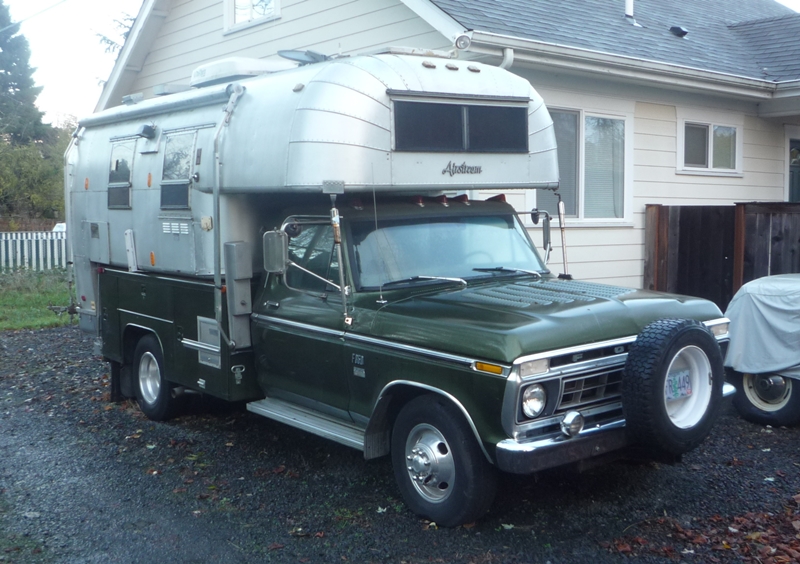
765	326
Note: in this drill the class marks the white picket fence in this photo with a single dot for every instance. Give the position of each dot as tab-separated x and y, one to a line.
34	250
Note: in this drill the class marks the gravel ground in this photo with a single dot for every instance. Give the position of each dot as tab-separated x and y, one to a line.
84	480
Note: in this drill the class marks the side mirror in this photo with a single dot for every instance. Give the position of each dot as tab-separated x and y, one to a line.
276	251
535	216
546	236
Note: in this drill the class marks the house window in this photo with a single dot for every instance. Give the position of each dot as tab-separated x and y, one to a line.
709	143
592	166
243	13
177	171
119	174
455	128
709	146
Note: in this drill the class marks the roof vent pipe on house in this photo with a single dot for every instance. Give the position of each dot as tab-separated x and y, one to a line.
629	13
508	58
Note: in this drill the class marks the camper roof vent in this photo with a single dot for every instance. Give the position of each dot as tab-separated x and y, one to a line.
236	68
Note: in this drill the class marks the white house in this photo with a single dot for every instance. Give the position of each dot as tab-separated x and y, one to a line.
654	101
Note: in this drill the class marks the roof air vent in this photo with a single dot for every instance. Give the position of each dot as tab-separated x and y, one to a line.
679	31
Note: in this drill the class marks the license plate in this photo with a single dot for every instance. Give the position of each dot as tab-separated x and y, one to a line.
678	385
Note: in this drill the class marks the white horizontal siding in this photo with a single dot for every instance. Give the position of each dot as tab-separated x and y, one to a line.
193	34
615	255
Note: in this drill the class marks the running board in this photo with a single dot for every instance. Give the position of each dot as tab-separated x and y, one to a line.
311	421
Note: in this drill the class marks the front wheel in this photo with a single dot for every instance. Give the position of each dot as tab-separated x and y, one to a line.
672	387
153	392
767	399
438	464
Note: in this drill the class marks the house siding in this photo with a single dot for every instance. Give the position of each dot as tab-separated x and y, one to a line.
193	34
615	255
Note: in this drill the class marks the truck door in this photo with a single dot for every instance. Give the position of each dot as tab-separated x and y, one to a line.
299	327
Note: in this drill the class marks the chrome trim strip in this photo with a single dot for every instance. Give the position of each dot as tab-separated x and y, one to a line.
297	325
466	361
576	349
145	316
440	392
198	346
469	362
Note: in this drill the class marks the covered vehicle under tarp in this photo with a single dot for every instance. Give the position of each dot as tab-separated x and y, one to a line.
765	327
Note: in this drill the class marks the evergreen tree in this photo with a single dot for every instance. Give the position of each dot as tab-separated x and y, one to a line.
20	119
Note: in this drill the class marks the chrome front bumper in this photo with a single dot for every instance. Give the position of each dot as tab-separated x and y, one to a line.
532	456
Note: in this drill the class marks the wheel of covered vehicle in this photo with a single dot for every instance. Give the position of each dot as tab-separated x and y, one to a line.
153	392
767	399
441	471
672	386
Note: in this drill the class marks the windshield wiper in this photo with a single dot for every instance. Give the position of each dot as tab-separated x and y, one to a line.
425	279
506	269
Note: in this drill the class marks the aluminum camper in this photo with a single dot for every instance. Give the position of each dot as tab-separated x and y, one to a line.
302	237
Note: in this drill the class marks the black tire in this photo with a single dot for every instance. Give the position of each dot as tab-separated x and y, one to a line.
672	425
153	392
458	484
766	399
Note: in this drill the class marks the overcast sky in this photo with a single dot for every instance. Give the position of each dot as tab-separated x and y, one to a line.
66	51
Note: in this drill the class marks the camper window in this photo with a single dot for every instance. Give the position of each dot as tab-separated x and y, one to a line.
119	174
177	170
436	127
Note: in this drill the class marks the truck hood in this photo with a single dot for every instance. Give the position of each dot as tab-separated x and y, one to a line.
504	320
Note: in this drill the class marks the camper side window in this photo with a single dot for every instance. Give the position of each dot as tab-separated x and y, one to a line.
435	127
119	174
177	170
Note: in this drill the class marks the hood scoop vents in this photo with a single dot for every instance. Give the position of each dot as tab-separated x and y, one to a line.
524	295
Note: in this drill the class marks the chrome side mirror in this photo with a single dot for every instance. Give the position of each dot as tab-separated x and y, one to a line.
276	251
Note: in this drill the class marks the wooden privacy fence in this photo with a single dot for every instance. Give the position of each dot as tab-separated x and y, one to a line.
710	251
35	250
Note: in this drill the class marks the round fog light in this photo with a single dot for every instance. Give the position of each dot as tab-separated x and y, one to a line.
572	424
534	399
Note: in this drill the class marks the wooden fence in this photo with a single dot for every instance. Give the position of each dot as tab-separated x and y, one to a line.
34	250
710	251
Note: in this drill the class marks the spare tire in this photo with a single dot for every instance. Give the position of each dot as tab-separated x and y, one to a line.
672	386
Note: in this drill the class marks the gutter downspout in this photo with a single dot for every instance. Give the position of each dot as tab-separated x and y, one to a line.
235	91
508	58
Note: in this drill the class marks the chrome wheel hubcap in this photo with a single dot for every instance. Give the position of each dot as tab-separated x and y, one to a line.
430	463
768	392
149	378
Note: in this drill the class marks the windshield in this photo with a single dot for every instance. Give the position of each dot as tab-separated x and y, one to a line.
448	247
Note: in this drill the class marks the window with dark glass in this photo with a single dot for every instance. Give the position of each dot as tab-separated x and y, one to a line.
456	128
119	174
177	170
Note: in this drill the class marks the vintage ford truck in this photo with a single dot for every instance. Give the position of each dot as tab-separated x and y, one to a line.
303	237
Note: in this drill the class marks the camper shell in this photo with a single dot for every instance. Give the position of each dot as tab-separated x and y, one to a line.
307	240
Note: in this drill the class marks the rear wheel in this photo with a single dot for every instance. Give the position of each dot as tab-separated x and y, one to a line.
767	399
153	392
672	387
438	464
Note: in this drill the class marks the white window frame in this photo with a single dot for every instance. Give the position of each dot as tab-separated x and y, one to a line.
710	118
580	220
792	132
231	26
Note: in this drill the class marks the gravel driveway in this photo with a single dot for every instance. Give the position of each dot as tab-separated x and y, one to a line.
84	480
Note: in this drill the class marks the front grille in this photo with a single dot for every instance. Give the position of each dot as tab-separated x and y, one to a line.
588	389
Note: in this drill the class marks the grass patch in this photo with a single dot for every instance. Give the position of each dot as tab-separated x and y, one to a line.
25	296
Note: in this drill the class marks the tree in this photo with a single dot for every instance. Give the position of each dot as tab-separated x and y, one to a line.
31	177
20	119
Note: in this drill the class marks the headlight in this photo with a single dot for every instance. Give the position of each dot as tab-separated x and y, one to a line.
534	399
